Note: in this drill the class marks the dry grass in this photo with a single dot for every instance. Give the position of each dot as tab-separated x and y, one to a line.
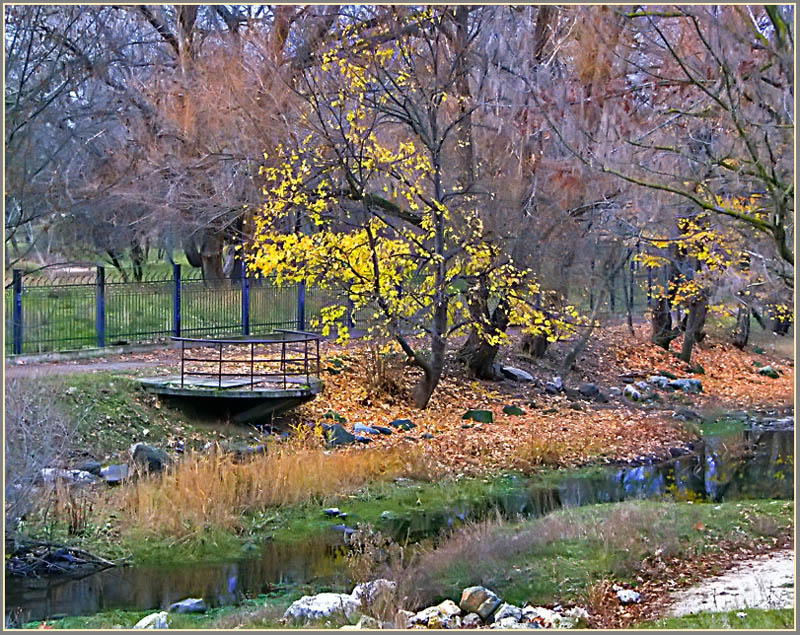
215	491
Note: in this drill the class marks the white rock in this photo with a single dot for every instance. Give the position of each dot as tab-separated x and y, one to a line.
631	393
627	596
323	606
508	610
471	620
71	477
546	618
578	612
658	380
189	605
154	620
444	615
374	591
614	391
516	374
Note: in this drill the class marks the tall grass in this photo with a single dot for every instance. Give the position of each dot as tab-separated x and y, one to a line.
214	491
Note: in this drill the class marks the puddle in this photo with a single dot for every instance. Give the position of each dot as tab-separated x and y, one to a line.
754	463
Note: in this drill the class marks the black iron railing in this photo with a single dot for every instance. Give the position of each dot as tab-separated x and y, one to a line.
276	360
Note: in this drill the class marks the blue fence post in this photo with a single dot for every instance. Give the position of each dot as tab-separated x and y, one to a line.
176	300
100	286
17	312
245	301
301	306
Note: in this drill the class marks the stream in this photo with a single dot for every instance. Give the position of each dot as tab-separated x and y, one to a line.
754	463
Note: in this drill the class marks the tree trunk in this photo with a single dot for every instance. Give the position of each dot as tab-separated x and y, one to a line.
741	333
534	345
661	321
478	354
211	255
421	393
695	320
192	253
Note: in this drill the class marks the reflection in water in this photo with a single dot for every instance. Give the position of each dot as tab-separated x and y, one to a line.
756	463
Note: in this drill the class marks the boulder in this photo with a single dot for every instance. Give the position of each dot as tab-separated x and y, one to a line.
89	465
509	623
631	393
471	620
589	390
383	430
658	380
508	610
375	592
322	606
154	620
614	391
336	435
115	474
403	424
546	618
332	512
516	374
480	600
628	596
360	428
513	410
189	605
444	615
481	416
149	458
687	385
362	439
75	478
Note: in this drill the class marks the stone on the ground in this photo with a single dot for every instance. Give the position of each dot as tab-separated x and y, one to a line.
578	612
546	618
682	412
688	385
91	466
513	410
363	439
336	435
426	435
631	393
403	424
768	371
589	390
365	622
360	428
481	416
628	596
471	620
509	623
310	608
641	385
189	605
375	591
149	458
115	474
383	429
508	610
51	475
658	380
444	615
154	620
332	511
614	391
480	600
516	374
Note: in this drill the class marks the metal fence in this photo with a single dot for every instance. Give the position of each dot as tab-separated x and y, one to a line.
46	314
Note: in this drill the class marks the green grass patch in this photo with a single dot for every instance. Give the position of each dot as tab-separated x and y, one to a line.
761	619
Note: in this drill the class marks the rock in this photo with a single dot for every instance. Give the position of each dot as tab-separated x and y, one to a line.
578	612
471	620
658	380
91	466
189	605
332	512
480	600
628	596
768	371
614	391
508	610
509	623
516	374
403	424
75	478
687	414
375	591
386	514
347	531
115	474
365	622
558	383
513	410
383	430
687	385
362	439
589	390
323	606
546	618
360	428
402	619
426	435
631	393
481	416
336	435
154	620
444	615
149	458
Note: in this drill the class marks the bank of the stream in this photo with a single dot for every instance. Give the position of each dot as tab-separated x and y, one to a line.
307	544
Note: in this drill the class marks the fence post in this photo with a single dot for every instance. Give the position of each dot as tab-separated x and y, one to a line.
301	306
100	286
17	312
176	300
245	302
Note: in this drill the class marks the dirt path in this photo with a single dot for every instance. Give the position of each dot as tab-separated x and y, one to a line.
766	581
70	368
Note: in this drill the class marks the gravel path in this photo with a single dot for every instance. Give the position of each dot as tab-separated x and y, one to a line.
764	582
63	368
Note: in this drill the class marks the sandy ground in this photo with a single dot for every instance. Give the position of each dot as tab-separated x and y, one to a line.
764	582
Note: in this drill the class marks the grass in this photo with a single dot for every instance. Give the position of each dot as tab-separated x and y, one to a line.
761	619
558	558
